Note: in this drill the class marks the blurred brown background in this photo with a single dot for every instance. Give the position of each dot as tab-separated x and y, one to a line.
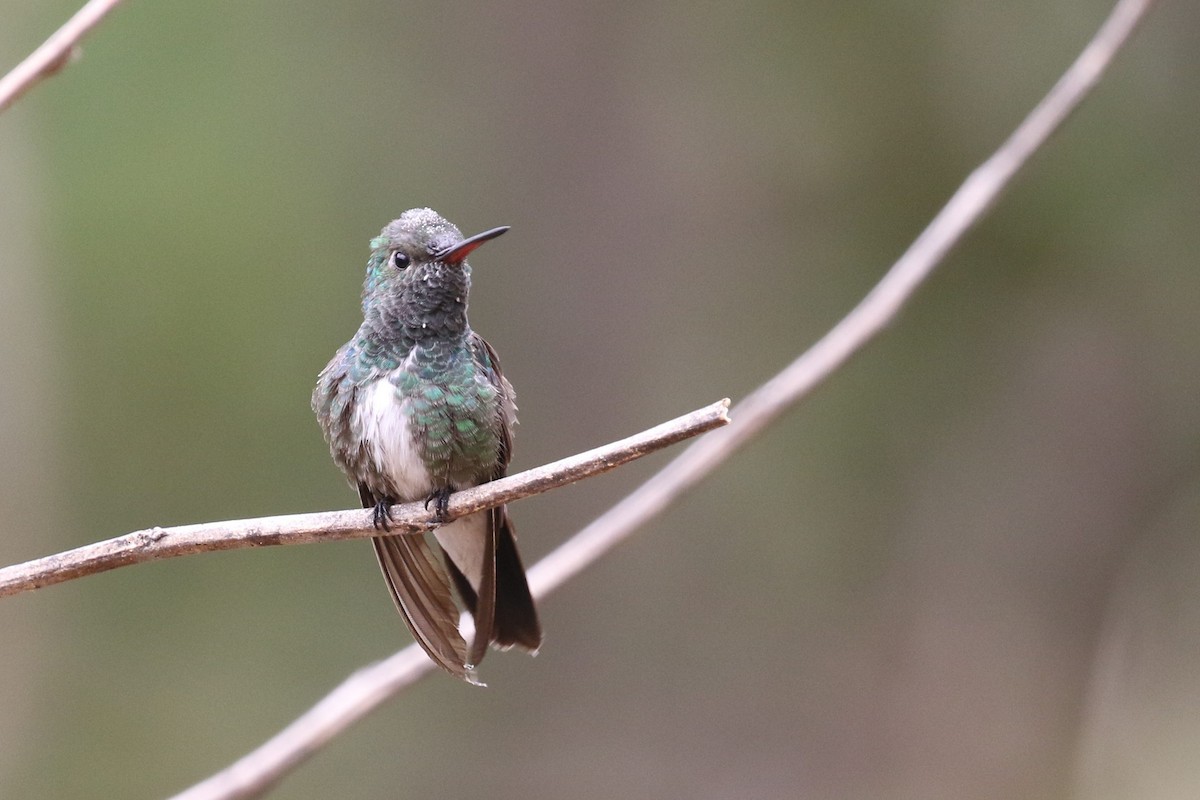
966	568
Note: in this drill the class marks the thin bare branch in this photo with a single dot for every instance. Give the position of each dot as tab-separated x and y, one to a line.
254	774
873	313
55	52
154	544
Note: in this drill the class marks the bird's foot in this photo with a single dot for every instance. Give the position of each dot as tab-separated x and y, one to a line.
382	515
441	503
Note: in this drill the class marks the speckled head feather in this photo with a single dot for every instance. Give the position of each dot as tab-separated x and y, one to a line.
407	290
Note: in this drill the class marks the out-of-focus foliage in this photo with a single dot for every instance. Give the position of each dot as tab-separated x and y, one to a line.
966	568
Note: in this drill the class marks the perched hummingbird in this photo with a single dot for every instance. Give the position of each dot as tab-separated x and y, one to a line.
415	407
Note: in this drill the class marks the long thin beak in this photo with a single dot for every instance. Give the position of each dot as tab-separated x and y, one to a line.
457	253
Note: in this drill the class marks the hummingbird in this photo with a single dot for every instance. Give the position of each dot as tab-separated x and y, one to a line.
415	407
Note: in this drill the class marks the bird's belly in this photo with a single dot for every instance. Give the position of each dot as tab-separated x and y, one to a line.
383	423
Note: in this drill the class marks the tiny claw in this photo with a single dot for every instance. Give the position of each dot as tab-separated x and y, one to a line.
441	503
382	515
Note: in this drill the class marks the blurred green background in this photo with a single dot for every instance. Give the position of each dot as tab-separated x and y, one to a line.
966	568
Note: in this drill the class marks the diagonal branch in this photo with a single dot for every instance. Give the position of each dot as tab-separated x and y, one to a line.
255	773
154	544
54	53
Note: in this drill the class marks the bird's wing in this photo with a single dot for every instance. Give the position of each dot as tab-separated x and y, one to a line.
487	359
421	592
514	619
460	541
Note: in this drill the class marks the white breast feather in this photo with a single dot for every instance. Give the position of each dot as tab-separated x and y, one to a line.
383	422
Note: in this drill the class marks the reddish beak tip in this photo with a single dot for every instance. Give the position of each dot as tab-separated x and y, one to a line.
457	253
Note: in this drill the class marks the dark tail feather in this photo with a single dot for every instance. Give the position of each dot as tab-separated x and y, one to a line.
515	616
484	610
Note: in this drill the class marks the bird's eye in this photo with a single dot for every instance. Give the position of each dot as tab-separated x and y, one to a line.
400	260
